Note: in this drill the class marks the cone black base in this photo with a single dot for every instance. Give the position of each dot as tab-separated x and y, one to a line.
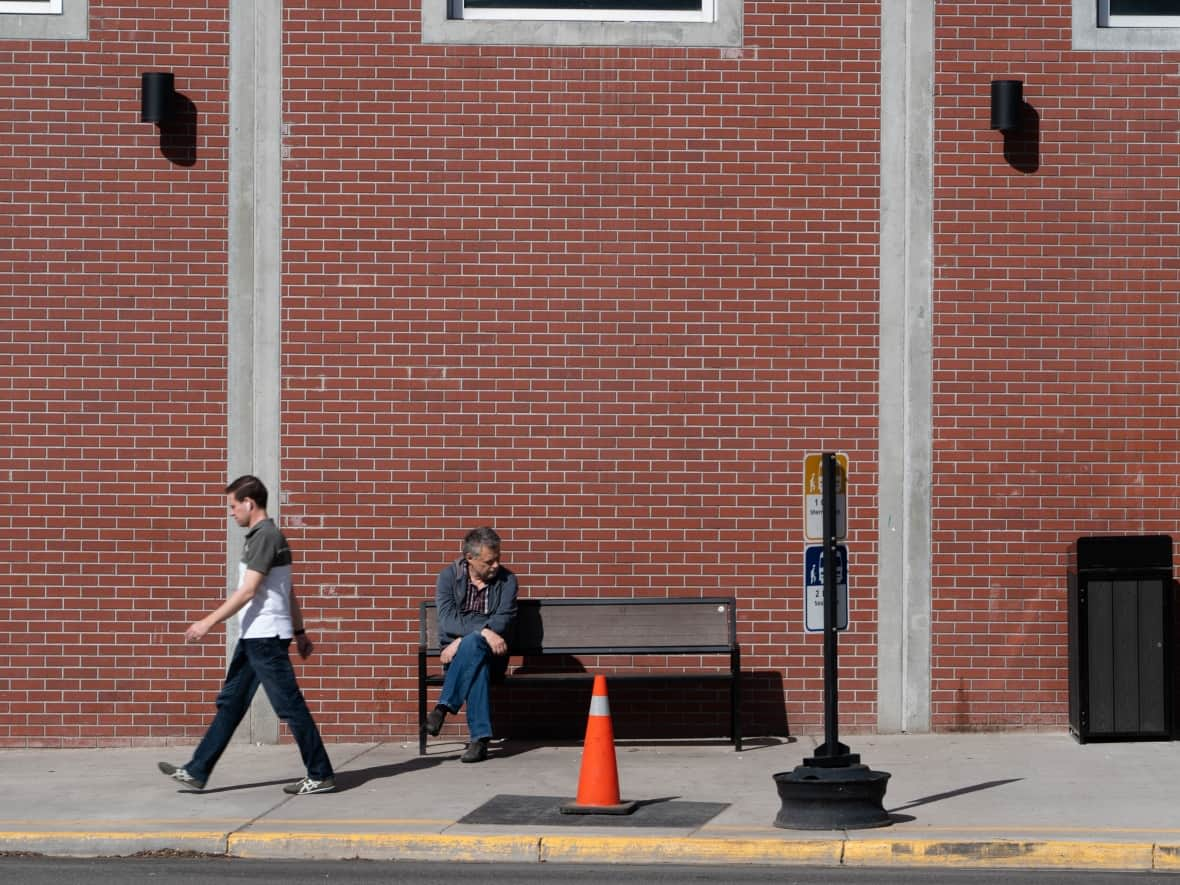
621	808
831	798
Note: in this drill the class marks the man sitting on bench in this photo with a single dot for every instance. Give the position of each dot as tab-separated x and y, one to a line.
476	598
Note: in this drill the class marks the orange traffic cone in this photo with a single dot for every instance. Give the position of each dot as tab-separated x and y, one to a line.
598	783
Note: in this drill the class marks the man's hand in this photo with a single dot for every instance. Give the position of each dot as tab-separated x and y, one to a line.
196	631
449	652
304	645
495	641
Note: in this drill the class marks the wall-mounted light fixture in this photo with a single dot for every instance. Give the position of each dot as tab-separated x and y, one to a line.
1007	104
157	96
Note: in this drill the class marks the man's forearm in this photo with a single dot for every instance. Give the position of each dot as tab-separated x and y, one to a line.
236	602
296	611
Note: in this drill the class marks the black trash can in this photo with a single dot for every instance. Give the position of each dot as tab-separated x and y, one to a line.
1120	638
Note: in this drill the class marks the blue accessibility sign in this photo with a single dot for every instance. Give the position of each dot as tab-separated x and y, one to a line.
813	581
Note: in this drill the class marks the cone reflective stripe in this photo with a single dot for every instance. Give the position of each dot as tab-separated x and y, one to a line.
599	703
598	781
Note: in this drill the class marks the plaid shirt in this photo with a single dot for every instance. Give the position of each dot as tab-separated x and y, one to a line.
476	600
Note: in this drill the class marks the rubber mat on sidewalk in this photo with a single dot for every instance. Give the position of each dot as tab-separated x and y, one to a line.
509	810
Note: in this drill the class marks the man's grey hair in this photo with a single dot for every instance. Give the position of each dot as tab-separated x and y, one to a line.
476	539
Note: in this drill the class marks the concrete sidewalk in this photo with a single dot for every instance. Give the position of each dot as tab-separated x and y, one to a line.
1005	800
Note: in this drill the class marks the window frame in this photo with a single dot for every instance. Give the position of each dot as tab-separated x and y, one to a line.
1090	34
70	22
456	10
28	7
724	30
1106	20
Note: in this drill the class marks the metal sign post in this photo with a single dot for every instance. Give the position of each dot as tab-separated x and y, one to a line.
831	752
831	790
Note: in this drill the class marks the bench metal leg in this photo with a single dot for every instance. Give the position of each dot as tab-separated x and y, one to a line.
735	699
421	703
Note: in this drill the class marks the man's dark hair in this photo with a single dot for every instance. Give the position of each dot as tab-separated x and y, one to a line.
248	487
476	539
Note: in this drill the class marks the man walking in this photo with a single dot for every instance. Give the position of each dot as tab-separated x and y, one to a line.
476	598
270	616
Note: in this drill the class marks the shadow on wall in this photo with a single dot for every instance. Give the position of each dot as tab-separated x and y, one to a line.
682	708
1022	147
178	134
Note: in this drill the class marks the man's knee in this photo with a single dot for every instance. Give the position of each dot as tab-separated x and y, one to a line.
235	695
287	705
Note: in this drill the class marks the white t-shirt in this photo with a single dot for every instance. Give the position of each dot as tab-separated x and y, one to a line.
268	614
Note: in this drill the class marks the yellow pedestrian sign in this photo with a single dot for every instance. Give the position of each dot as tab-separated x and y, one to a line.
813	496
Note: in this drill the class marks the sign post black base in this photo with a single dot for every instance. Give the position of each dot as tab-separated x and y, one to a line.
827	797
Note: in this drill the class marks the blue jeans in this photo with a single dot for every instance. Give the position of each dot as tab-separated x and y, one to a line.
468	677
265	662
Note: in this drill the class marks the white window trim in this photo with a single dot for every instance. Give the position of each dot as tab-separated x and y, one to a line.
1106	20
725	30
23	7
71	21
707	13
1138	21
1089	34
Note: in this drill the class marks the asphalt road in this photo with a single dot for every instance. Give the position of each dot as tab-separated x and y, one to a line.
226	871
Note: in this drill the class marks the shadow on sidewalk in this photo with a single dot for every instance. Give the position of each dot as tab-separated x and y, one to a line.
950	794
209	791
345	780
351	779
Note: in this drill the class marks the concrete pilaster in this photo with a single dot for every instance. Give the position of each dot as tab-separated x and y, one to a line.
906	382
255	265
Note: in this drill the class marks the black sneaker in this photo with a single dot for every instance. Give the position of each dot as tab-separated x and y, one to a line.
477	751
307	785
180	776
434	720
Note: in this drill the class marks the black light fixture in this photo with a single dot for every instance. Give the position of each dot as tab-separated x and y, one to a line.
1007	102
157	93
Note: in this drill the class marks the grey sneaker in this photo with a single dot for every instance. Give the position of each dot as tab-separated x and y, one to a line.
307	785
180	776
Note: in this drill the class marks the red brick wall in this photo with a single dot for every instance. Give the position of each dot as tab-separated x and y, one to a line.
1056	412
605	299
112	379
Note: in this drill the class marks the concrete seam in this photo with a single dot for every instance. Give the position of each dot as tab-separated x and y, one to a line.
287	798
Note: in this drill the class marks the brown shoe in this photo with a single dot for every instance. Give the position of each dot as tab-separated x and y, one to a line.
434	720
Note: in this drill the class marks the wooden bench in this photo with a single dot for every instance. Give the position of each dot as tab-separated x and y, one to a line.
608	626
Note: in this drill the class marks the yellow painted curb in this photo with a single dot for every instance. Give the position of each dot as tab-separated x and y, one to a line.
423	846
615	849
998	853
1167	857
1049	854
